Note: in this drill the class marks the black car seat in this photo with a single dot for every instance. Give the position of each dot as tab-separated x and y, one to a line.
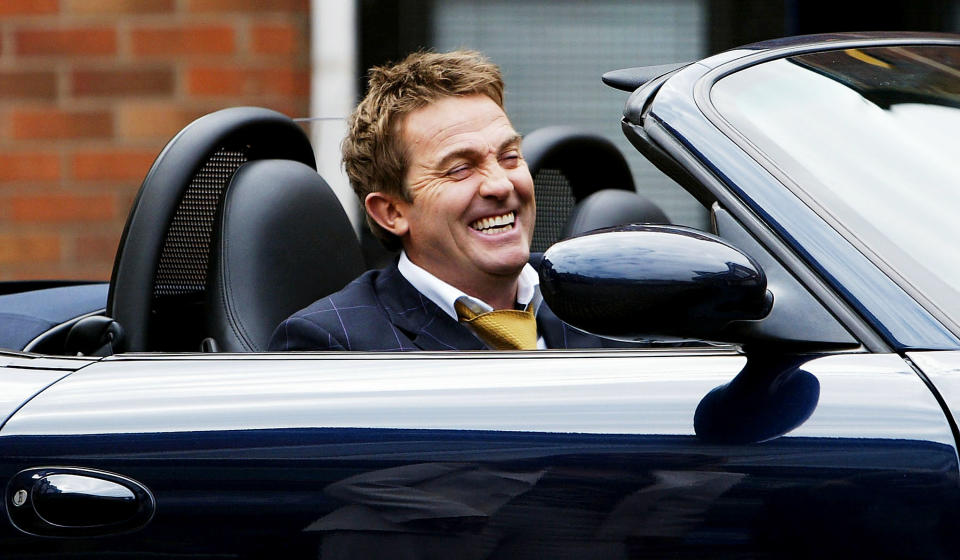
568	165
612	207
375	255
281	241
157	290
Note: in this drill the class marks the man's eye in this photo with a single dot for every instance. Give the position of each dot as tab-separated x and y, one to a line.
510	159
459	172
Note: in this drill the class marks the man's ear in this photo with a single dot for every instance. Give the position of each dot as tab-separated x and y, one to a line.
389	211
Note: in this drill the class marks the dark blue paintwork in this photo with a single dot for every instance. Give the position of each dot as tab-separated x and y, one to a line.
770	397
271	493
642	281
625	472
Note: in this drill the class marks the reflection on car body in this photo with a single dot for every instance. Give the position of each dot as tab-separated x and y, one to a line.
825	426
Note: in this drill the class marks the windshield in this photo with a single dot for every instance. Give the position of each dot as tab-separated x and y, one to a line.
869	136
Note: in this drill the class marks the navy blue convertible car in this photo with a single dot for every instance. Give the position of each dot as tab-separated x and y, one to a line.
788	385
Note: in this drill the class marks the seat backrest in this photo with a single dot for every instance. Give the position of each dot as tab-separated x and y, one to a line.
612	207
375	255
281	241
160	273
567	165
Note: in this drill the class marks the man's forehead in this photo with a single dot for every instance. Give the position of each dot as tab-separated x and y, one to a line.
455	124
472	145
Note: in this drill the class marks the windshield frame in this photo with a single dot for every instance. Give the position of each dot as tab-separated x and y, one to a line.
702	97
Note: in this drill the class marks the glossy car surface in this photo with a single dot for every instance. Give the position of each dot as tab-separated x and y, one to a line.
820	421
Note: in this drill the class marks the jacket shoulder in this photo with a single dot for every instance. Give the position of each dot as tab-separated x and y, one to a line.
350	319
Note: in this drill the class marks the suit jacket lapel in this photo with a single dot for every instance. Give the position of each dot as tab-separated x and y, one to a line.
425	324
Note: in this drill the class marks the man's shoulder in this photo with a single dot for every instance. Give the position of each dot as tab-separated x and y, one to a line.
355	302
354	318
360	290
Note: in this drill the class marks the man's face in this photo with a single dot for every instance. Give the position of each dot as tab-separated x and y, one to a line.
472	210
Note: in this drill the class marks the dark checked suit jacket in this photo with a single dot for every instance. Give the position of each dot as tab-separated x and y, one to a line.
382	311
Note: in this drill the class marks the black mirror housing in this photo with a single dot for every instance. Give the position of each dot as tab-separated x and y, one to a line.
639	281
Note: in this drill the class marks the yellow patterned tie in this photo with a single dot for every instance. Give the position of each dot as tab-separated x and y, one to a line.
503	329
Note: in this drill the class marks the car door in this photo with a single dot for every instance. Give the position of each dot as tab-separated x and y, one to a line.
566	453
22	376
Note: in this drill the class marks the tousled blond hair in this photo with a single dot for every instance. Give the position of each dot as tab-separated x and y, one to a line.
374	156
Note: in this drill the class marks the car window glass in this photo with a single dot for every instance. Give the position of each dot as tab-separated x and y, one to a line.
797	315
869	136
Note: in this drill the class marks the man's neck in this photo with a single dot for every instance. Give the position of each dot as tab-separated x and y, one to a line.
498	292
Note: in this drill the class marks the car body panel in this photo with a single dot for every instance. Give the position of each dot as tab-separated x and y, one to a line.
23	376
585	392
623	392
597	451
943	371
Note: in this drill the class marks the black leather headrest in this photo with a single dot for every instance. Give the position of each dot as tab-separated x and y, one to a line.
158	282
589	161
612	207
282	240
568	165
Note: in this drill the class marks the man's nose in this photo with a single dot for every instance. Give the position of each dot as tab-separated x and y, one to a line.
496	184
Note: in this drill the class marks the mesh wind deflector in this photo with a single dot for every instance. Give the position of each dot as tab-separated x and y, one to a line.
554	203
161	271
186	249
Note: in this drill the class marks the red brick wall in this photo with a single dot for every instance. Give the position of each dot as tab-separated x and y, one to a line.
91	90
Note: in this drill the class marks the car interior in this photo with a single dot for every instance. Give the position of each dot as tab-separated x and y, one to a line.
233	230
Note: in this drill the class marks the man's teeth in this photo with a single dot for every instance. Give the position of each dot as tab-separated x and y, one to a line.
496	224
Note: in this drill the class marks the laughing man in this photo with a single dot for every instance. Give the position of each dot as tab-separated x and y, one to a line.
438	166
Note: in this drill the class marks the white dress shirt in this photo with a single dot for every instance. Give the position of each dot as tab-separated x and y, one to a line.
444	295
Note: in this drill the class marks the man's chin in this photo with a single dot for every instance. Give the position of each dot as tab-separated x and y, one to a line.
509	266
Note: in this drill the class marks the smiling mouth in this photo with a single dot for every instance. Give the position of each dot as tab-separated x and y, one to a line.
495	224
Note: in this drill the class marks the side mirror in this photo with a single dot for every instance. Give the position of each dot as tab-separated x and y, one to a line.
639	281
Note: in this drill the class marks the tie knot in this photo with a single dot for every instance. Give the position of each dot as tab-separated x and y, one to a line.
503	329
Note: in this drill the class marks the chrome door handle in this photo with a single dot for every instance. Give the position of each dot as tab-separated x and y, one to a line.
75	502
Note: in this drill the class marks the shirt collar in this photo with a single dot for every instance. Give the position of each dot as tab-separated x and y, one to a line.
444	295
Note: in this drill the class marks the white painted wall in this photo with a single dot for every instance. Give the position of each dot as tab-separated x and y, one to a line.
333	60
